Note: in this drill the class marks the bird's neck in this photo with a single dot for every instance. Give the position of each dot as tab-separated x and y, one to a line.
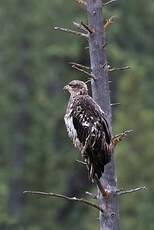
79	93
70	103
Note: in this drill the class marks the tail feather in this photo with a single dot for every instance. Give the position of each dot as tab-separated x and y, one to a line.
95	167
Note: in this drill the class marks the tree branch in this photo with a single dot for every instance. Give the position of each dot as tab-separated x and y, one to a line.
85	72
71	31
109	2
79	26
109	21
80	65
119	137
82	2
113	104
87	28
81	162
75	199
124	192
120	68
93	196
83	26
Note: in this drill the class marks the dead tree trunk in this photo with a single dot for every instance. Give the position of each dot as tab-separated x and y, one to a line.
101	94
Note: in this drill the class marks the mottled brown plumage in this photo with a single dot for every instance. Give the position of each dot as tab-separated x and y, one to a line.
87	126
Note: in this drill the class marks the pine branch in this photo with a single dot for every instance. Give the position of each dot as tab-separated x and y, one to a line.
93	196
85	72
71	31
113	104
80	65
124	192
79	26
117	69
119	137
81	162
83	26
87	28
109	2
81	2
75	199
109	21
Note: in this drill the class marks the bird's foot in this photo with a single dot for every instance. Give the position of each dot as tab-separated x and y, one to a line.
117	138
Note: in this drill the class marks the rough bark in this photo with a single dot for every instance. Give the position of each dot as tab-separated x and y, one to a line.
101	94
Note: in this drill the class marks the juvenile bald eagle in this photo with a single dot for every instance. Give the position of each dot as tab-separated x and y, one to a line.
88	127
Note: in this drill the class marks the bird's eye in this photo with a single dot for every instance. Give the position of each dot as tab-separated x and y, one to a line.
71	85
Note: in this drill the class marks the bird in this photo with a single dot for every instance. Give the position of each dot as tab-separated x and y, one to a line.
88	127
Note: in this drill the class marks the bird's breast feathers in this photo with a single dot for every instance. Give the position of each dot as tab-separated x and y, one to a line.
71	130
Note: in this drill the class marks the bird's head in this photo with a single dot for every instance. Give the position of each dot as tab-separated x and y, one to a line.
77	87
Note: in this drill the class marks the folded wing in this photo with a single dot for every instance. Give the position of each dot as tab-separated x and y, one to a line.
93	132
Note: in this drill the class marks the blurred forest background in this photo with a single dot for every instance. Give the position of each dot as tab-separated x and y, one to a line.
36	153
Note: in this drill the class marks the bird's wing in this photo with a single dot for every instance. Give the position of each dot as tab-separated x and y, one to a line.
89	118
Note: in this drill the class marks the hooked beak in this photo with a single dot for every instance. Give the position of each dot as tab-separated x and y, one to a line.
66	87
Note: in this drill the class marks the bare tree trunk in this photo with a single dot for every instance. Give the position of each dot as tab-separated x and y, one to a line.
101	94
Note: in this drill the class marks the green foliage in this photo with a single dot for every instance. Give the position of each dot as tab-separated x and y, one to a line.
134	92
35	151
